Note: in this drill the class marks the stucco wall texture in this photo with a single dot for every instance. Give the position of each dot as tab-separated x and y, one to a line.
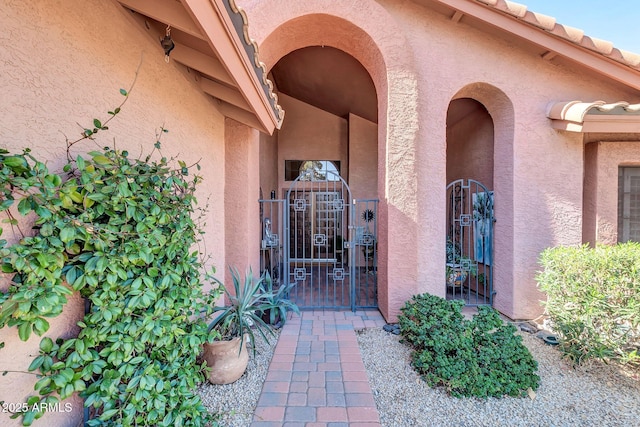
363	158
241	194
606	157
63	63
420	61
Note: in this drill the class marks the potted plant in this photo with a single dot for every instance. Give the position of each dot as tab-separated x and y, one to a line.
226	355
279	302
458	266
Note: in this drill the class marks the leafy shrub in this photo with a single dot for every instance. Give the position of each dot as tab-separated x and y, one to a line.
120	231
593	300
480	357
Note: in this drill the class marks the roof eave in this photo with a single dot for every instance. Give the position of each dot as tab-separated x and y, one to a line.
598	126
507	22
566	125
611	124
216	25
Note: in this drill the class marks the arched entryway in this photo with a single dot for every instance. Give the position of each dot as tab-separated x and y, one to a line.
501	114
386	55
321	170
470	203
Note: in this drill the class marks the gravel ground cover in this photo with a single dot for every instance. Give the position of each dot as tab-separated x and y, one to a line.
237	401
590	395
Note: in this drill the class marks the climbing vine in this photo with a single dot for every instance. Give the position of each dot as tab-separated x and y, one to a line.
120	231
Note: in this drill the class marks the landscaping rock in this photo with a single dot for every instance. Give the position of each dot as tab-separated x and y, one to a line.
528	327
393	329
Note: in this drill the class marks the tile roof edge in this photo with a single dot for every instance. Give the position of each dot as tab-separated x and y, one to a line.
267	84
576	111
572	35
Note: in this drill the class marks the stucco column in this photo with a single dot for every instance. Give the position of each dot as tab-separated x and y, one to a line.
397	186
241	194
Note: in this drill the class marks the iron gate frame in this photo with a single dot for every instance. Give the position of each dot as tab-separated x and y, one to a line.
463	219
276	244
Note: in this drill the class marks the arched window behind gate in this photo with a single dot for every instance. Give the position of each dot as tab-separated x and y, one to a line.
320	170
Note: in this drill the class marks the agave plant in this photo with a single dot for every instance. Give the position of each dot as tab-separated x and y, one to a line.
241	317
279	300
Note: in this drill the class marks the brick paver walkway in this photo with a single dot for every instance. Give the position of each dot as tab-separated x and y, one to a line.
316	377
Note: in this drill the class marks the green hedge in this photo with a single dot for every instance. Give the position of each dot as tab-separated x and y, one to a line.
593	300
481	357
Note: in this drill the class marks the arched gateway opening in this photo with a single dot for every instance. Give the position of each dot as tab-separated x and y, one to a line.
470	203
319	181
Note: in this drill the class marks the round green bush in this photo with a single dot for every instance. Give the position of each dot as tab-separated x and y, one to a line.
481	357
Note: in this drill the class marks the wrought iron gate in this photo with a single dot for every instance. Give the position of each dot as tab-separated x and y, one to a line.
470	219
328	251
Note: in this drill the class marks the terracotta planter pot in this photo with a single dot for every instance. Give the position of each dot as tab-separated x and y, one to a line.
225	362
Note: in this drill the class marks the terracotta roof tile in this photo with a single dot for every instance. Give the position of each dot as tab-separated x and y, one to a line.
515	9
574	35
597	116
542	21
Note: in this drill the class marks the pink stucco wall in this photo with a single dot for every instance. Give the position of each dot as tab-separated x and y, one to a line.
419	61
268	165
363	164
63	63
601	187
534	210
241	194
363	158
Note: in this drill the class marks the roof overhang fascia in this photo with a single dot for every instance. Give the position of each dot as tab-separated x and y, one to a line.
213	18
595	117
592	60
